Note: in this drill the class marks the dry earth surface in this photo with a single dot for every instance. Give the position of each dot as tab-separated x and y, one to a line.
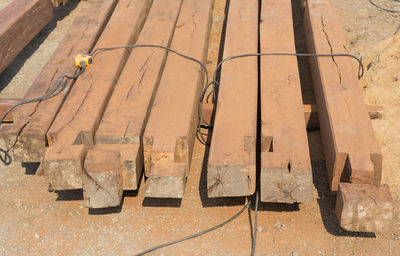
34	221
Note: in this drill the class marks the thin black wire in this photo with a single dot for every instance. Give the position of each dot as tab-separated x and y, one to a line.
215	83
93	54
197	234
54	92
254	241
199	109
385	9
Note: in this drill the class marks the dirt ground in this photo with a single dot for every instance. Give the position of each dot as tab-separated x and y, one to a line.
34	221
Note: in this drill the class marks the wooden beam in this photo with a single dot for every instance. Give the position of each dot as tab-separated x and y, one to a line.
286	174
5	105
124	119
32	121
351	150
232	161
72	132
20	22
364	207
171	128
102	179
310	114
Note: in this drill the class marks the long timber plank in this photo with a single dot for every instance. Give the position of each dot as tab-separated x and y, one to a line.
21	21
286	174
170	132
232	159
72	132
351	150
124	120
33	120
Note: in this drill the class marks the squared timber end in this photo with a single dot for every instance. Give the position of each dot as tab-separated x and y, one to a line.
25	145
102	179
231	180
165	187
364	207
131	160
281	181
167	179
63	166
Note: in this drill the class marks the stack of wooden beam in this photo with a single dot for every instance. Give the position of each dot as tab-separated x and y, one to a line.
353	157
123	112
137	108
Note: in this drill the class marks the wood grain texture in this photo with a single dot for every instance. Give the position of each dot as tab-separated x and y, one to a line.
102	179
33	120
5	105
351	150
286	174
80	115
311	114
127	112
231	164
21	21
365	207
170	132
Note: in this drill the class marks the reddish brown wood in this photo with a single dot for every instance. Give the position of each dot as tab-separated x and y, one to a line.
364	207
351	150
311	114
21	21
286	174
81	113
5	105
127	112
170	131
33	120
231	164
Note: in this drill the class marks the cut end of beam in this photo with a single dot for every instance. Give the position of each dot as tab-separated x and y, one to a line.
102	179
29	147
231	181
364	208
131	161
63	167
165	187
282	182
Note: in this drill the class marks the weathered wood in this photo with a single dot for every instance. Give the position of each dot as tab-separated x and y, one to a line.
102	179
126	114
207	112
5	105
170	132
351	150
364	207
311	114
286	174
79	117
131	160
21	21
33	120
232	160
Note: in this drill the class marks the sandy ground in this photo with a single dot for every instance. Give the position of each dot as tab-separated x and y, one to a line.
34	221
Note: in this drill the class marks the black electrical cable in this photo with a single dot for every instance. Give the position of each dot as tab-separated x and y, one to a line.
253	244
197	234
215	83
385	9
54	92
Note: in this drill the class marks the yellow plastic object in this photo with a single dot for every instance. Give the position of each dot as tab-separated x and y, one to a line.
83	60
